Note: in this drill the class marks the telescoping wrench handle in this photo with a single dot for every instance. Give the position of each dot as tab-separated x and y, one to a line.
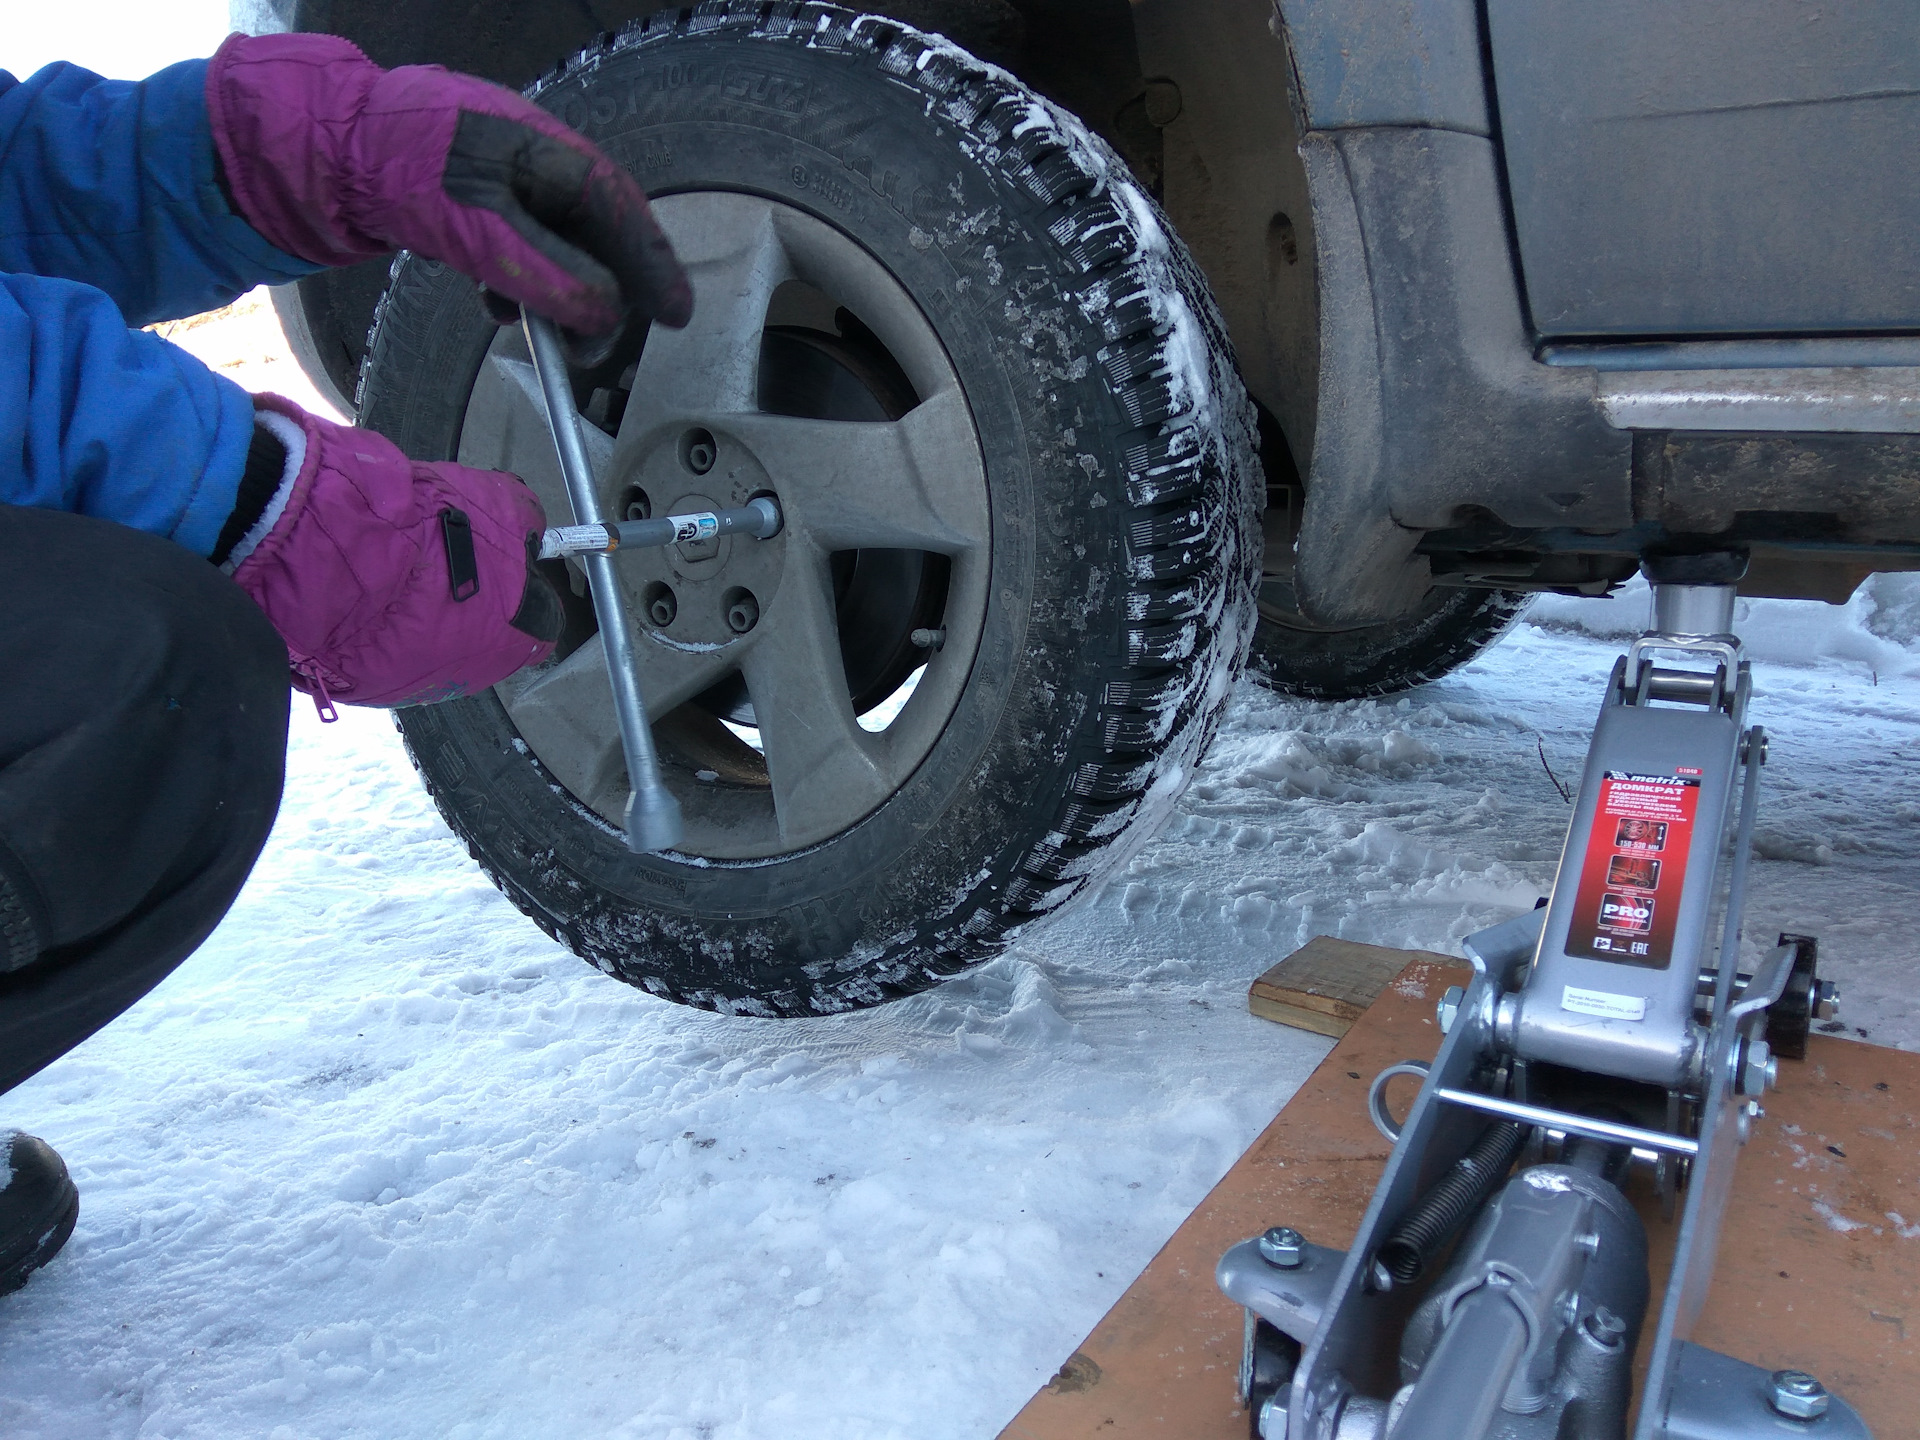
759	518
653	815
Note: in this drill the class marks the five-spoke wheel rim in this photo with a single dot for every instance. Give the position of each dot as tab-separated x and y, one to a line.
693	435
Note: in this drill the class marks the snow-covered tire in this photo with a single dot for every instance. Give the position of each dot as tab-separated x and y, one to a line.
1119	460
1451	627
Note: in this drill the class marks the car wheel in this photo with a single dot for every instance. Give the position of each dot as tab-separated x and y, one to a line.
1293	655
944	328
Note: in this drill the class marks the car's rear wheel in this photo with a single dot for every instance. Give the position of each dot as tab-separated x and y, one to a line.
1293	655
1296	656
941	325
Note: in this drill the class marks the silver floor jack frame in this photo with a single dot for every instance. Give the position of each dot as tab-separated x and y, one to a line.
1604	1032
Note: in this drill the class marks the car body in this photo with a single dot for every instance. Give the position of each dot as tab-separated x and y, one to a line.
1526	285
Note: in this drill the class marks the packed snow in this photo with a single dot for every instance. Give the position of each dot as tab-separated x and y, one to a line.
383	1161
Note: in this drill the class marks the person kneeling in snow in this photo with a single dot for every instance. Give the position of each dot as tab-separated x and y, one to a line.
172	549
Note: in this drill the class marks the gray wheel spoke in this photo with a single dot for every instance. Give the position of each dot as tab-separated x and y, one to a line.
735	259
824	767
566	712
506	429
670	677
913	484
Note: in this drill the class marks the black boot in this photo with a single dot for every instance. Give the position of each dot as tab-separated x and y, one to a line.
38	1206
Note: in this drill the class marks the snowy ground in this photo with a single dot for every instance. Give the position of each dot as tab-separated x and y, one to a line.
383	1161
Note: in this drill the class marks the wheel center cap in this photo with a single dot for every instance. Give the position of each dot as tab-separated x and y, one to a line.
694	559
701	593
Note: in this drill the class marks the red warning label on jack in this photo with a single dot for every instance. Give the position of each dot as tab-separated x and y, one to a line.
1636	864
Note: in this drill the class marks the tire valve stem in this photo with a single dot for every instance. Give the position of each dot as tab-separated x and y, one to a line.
928	639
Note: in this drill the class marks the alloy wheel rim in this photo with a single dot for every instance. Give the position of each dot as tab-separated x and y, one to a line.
915	483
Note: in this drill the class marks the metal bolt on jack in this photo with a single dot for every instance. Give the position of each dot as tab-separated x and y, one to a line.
1273	1415
1759	1072
1605	1328
1826	1003
1283	1247
1797	1395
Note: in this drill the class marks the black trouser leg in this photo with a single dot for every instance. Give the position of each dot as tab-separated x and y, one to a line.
143	731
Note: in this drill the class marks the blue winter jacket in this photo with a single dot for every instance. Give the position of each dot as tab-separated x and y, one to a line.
111	216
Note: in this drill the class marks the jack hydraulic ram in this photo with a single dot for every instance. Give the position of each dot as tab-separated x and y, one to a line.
1498	1283
653	815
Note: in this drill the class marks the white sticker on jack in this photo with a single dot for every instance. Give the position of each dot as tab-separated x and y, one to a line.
1603	1003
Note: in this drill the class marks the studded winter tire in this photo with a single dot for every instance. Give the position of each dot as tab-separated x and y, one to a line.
938	321
1451	626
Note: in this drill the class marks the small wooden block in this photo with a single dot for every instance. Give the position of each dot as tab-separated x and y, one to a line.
1328	983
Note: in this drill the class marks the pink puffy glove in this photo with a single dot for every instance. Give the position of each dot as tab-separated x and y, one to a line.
393	581
334	160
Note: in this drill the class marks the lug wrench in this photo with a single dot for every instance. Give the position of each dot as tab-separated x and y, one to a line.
653	815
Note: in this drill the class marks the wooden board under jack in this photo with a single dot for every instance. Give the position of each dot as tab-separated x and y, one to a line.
1328	983
1819	1262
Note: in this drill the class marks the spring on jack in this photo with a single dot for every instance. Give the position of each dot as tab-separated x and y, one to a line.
1426	1229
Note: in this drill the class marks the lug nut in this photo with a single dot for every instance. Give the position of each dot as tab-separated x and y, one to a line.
1448	1010
1797	1395
1283	1247
743	611
661	605
699	450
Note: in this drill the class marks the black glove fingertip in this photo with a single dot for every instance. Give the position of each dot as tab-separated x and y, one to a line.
499	308
589	352
603	358
542	614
